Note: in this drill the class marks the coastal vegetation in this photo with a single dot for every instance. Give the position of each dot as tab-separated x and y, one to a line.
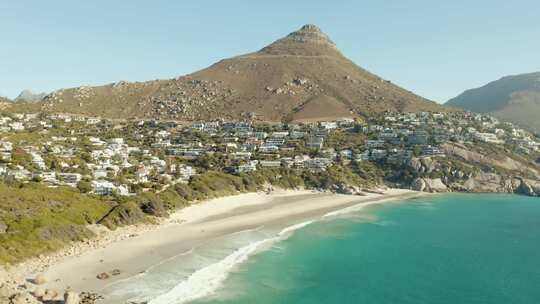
39	219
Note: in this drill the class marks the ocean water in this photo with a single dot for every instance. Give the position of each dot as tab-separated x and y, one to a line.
451	248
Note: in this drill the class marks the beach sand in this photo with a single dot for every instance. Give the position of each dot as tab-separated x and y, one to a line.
202	223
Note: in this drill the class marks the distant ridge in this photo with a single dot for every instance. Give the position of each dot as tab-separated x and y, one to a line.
301	77
29	96
512	98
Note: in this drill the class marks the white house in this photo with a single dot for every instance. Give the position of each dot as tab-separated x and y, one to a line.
70	178
103	187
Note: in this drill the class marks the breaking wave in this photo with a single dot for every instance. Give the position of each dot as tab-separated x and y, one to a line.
207	280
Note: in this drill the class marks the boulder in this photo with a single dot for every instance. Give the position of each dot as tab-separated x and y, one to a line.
484	182
510	185
71	297
342	188
50	295
418	185
40	279
435	185
103	276
3	227
39	292
429	185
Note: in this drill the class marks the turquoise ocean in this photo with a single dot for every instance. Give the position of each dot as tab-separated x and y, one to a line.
448	248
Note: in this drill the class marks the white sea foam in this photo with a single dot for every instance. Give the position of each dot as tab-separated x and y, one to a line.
207	280
355	208
247	230
292	228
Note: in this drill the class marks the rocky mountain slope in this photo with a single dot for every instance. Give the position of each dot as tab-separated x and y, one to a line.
302	76
512	98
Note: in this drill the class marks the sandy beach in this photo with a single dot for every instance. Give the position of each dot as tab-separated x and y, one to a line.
134	250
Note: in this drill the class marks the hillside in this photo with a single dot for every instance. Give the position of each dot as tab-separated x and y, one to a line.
4	103
300	77
512	98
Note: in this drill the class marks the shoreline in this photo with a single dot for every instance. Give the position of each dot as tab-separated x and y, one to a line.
134	249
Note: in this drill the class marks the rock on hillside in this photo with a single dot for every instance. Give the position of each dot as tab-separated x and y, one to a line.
300	77
513	98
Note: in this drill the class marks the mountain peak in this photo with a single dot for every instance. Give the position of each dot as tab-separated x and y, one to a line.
310	28
310	33
300	77
309	40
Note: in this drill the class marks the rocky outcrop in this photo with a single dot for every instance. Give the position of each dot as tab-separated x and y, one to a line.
429	185
461	176
344	188
424	165
529	187
492	182
481	182
461	151
40	279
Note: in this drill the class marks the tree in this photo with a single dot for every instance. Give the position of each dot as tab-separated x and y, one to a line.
84	186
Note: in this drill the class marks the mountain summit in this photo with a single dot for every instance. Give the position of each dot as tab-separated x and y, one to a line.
307	41
301	77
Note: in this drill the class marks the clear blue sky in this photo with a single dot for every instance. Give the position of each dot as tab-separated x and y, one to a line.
434	48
